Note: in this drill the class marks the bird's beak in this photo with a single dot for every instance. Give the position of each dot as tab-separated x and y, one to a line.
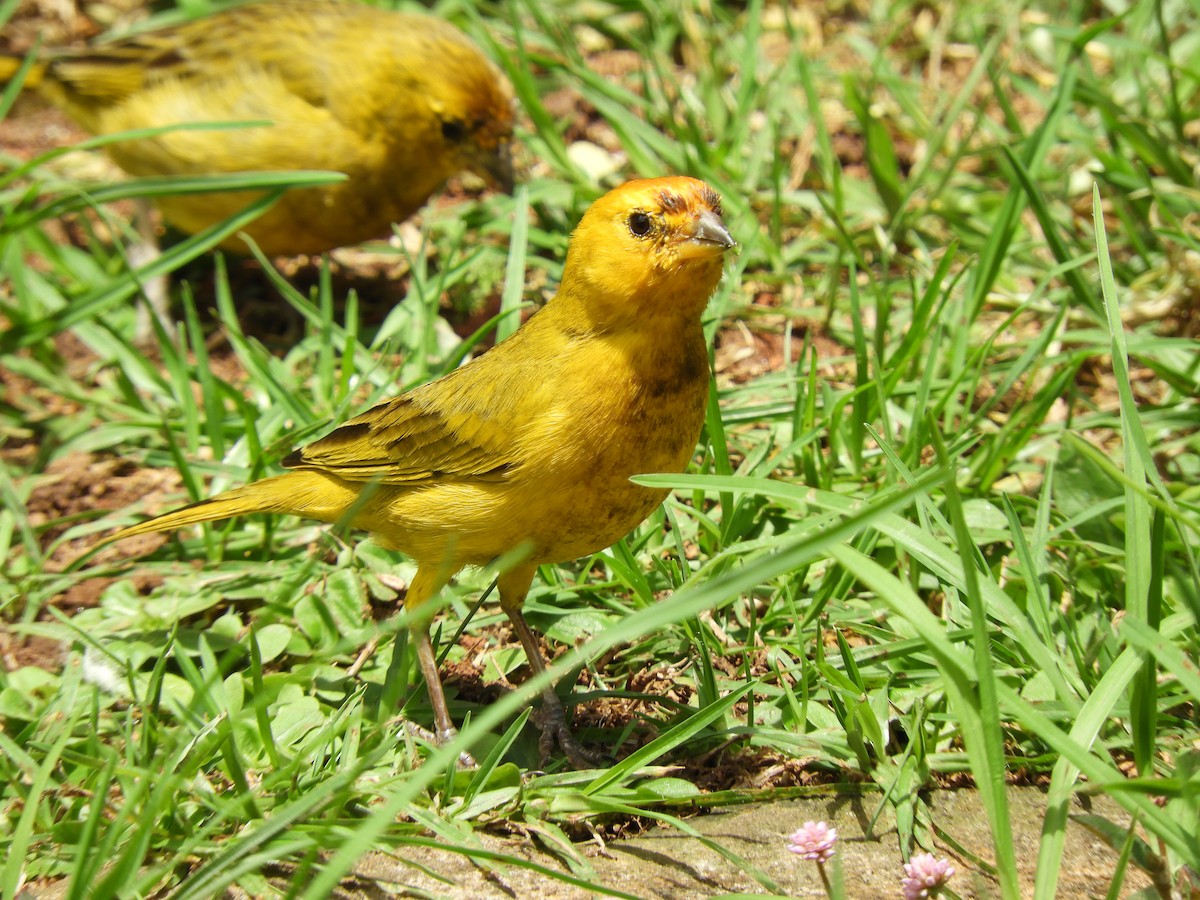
497	167
706	237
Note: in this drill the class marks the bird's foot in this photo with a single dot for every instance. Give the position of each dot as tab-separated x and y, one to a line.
551	720
440	739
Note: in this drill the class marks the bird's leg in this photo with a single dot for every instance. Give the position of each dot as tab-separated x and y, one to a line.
156	291
444	727
514	585
423	587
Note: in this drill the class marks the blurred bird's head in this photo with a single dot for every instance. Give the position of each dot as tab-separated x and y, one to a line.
648	249
473	103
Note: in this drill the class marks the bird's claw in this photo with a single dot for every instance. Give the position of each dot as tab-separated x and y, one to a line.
552	723
440	739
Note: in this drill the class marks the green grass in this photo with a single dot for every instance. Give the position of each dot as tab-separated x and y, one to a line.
952	532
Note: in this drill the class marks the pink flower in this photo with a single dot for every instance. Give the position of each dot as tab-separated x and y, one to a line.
924	876
813	840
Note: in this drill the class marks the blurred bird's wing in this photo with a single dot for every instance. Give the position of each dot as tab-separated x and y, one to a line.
114	69
105	75
276	37
407	441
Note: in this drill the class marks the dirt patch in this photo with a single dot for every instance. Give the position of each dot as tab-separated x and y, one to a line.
31	650
80	484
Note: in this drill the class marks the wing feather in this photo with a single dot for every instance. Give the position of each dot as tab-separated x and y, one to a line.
418	436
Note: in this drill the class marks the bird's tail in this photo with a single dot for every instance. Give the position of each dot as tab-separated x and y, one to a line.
308	493
10	65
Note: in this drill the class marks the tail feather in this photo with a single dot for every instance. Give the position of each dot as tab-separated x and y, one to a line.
308	493
10	65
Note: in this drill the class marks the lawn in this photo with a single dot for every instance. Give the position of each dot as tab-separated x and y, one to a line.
939	530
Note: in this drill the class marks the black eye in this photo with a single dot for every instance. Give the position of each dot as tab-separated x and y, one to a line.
453	130
639	224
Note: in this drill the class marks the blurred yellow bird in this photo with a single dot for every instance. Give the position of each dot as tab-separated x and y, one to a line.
398	102
530	447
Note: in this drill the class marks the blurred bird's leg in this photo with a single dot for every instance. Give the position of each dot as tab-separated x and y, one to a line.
157	290
424	586
514	585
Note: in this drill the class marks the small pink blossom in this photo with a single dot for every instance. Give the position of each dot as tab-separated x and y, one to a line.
925	875
813	840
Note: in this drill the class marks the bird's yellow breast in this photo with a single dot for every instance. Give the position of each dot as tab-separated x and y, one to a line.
636	406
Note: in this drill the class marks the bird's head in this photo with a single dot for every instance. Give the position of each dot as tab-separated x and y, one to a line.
647	249
474	108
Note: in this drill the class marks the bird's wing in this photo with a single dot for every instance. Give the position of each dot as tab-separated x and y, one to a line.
432	433
272	36
107	74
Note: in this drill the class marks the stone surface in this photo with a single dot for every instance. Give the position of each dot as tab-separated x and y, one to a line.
665	863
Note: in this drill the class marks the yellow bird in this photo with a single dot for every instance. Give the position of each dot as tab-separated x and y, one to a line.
530	446
398	102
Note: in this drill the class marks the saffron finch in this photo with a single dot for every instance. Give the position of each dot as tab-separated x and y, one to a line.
398	102
530	446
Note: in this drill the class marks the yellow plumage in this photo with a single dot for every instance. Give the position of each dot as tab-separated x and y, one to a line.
398	102
530	446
